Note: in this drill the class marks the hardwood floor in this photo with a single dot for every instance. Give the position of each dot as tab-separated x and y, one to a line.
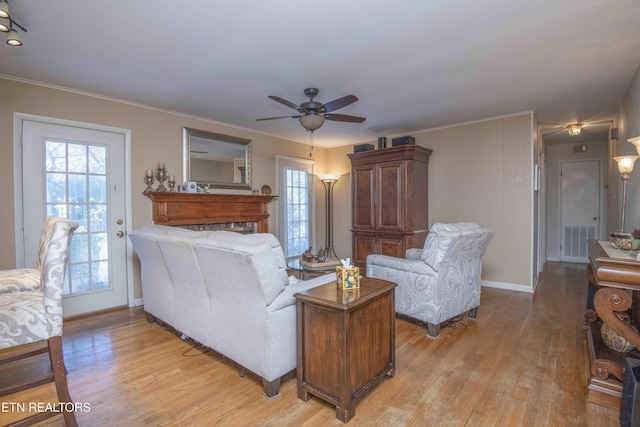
523	362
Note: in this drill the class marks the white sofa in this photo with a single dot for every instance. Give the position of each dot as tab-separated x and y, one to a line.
227	291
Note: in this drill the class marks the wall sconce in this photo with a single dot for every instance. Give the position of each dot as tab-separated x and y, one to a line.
329	180
574	129
625	167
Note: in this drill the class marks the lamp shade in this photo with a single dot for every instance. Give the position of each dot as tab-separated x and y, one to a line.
311	122
625	163
329	177
574	129
635	141
4	9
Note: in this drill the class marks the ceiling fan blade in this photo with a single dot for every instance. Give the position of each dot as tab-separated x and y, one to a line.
280	117
344	118
339	103
287	103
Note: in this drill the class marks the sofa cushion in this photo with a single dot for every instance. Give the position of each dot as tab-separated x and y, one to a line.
263	253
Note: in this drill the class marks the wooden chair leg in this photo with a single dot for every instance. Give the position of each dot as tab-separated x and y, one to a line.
60	379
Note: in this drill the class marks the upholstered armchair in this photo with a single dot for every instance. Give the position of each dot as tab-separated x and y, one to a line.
31	311
440	281
29	279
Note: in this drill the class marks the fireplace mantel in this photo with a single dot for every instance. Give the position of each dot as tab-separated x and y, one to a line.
181	209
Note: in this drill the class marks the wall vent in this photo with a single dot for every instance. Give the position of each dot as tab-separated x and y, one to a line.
575	241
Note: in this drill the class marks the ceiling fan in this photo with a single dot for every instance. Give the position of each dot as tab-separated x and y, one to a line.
312	114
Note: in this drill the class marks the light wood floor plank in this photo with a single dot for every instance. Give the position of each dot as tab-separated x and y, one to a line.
523	362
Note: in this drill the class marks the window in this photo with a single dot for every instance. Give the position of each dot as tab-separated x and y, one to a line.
297	202
296	219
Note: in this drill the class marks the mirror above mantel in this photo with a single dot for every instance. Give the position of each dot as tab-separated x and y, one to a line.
221	161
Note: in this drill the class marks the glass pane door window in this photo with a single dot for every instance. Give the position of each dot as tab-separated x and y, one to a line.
76	188
297	211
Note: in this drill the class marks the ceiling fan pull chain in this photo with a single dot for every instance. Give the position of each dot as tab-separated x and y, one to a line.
311	142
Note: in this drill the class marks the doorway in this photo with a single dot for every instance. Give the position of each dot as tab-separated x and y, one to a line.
580	208
77	171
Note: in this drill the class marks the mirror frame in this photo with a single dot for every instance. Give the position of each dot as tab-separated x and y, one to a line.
188	133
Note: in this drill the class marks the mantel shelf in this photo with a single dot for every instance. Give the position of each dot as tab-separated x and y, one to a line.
180	209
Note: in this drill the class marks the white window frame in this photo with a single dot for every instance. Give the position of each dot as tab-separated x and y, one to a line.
283	163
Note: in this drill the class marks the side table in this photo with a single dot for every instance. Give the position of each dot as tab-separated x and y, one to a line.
345	342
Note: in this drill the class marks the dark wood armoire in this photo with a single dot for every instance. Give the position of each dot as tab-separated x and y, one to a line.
389	190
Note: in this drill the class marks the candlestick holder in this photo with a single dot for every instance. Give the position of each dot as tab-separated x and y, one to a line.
171	181
148	179
161	175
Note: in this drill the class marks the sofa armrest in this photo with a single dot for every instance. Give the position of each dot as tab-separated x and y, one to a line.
413	253
417	266
286	297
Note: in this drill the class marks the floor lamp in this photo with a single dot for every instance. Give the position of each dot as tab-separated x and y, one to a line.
625	167
329	180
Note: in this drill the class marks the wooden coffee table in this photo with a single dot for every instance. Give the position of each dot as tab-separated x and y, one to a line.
346	342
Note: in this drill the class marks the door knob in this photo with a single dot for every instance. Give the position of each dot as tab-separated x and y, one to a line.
120	234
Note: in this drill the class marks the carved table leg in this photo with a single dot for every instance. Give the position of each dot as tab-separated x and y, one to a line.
602	368
609	300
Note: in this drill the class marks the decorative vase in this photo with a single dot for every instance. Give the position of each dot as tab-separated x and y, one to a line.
613	340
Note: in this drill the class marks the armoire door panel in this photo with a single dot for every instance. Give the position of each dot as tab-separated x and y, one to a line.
363	191
363	245
392	246
390	190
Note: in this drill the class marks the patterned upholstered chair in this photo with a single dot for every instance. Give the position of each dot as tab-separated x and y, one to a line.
29	279
440	281
33	312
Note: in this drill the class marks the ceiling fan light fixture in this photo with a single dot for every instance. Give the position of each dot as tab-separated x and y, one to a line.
5	25
4	9
311	122
13	39
574	129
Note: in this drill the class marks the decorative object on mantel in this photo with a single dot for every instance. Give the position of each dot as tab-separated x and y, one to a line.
161	175
266	190
625	167
148	179
614	341
171	180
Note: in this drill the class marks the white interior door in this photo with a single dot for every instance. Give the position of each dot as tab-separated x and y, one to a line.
580	208
78	173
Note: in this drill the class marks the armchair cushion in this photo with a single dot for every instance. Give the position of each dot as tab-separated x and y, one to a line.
19	280
22	318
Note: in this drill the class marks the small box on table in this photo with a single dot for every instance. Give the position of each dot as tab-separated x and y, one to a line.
348	278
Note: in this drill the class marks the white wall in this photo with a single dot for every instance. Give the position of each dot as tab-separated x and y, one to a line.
479	172
628	124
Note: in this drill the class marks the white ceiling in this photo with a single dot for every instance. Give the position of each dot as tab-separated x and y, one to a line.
414	64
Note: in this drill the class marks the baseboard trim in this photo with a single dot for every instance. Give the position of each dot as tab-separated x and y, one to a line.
138	302
507	286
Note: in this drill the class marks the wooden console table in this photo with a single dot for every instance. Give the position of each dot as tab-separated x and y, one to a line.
616	273
346	342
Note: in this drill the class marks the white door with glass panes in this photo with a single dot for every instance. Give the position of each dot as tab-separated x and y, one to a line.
78	173
295	210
